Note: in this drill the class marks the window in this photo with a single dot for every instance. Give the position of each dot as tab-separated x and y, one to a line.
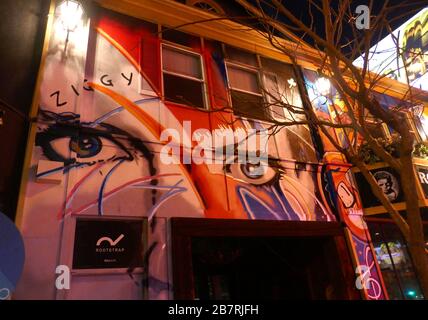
273	96
375	127
242	57
183	77
172	35
420	121
281	89
259	87
426	237
394	261
245	91
244	84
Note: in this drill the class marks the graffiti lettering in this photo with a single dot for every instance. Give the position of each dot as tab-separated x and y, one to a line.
423	178
108	82
87	88
129	79
58	103
75	90
105	80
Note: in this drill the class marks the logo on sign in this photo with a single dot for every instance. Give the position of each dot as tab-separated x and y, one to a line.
111	242
423	178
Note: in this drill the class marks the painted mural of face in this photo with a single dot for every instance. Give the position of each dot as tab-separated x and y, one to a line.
388	184
109	154
109	148
280	193
91	146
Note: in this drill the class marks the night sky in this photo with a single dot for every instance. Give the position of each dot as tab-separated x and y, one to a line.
406	9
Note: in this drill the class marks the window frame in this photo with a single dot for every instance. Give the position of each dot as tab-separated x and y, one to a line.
411	117
261	74
273	114
202	80
258	70
246	68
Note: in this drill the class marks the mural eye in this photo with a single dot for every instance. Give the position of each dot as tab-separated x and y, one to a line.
86	146
252	171
256	174
96	145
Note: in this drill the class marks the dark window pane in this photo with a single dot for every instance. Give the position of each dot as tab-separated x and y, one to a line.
181	62
182	38
402	262
285	81
420	119
384	260
249	105
426	235
243	79
421	129
184	91
394	261
241	56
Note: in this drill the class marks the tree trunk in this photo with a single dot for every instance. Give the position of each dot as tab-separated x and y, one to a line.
415	240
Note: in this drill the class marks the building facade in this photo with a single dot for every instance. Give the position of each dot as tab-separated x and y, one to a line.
117	191
391	251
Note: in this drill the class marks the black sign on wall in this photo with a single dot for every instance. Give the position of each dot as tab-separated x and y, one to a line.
387	179
423	178
108	243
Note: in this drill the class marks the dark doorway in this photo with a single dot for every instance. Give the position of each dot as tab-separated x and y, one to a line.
263	268
270	260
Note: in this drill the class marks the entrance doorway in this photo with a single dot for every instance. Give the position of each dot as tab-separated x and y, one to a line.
239	259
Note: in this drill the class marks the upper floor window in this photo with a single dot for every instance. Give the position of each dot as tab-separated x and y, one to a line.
245	92
260	87
281	90
183	76
420	117
376	128
244	84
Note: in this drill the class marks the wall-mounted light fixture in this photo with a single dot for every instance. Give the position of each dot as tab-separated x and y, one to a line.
70	13
70	17
323	86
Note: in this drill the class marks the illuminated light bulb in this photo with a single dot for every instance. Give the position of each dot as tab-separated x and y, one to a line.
323	86
70	14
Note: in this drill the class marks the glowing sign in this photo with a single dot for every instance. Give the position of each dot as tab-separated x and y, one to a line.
412	39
